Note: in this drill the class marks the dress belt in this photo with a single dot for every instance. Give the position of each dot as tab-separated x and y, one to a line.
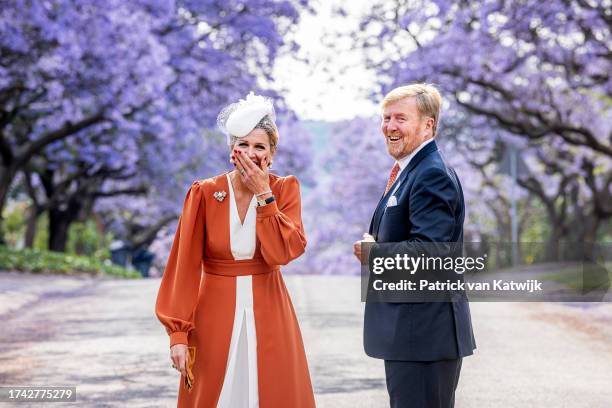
240	267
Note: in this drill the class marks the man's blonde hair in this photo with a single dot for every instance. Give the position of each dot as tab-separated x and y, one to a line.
428	100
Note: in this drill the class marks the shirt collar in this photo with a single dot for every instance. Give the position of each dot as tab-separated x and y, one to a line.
403	162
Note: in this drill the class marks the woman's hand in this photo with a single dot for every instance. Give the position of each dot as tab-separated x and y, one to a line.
254	178
180	357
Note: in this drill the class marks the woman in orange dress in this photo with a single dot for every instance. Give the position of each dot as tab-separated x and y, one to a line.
222	292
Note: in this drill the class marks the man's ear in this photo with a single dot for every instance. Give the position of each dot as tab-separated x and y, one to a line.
430	124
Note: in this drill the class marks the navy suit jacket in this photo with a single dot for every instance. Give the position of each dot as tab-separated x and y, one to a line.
430	208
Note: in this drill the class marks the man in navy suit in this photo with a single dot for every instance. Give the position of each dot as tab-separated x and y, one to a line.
422	344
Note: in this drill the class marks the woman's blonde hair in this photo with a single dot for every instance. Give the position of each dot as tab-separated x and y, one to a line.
428	100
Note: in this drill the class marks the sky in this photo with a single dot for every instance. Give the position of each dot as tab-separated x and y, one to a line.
331	85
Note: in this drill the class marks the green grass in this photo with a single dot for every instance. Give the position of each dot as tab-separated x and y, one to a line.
580	277
43	261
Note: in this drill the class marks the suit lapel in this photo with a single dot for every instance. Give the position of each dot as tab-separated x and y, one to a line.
424	152
380	210
378	213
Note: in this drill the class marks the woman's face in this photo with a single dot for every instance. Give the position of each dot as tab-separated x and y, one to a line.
256	145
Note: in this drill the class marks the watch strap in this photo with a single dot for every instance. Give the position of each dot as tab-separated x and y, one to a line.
267	201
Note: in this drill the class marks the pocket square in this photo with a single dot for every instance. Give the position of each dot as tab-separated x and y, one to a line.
189	379
392	202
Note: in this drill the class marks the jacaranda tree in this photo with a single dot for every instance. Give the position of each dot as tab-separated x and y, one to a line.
88	88
539	72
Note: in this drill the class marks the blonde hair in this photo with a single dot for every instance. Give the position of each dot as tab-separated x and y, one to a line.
428	100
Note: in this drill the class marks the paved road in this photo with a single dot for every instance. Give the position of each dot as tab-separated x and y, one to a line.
101	335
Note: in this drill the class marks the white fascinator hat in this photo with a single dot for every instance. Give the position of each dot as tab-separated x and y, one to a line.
240	118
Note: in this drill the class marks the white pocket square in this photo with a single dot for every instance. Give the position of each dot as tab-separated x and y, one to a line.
392	202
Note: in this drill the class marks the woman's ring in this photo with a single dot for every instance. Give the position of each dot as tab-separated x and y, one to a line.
242	171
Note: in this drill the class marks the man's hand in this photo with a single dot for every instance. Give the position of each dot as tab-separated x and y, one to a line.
357	248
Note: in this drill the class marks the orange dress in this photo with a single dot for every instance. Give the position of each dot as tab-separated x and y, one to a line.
202	296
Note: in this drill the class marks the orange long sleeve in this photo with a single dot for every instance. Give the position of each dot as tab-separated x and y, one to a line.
178	291
279	225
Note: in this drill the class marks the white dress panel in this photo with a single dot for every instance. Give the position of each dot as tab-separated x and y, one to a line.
240	388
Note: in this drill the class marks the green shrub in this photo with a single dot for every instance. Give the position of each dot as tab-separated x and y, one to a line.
84	238
14	223
43	261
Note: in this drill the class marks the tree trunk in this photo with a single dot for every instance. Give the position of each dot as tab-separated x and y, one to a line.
30	234
588	236
59	224
557	233
7	175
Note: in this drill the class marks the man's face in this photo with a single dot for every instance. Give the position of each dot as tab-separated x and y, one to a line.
404	129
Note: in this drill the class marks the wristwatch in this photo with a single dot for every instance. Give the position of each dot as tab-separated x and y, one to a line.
261	203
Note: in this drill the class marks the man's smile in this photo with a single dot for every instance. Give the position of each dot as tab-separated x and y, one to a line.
394	138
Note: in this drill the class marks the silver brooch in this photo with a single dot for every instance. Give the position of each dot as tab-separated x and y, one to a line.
220	195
